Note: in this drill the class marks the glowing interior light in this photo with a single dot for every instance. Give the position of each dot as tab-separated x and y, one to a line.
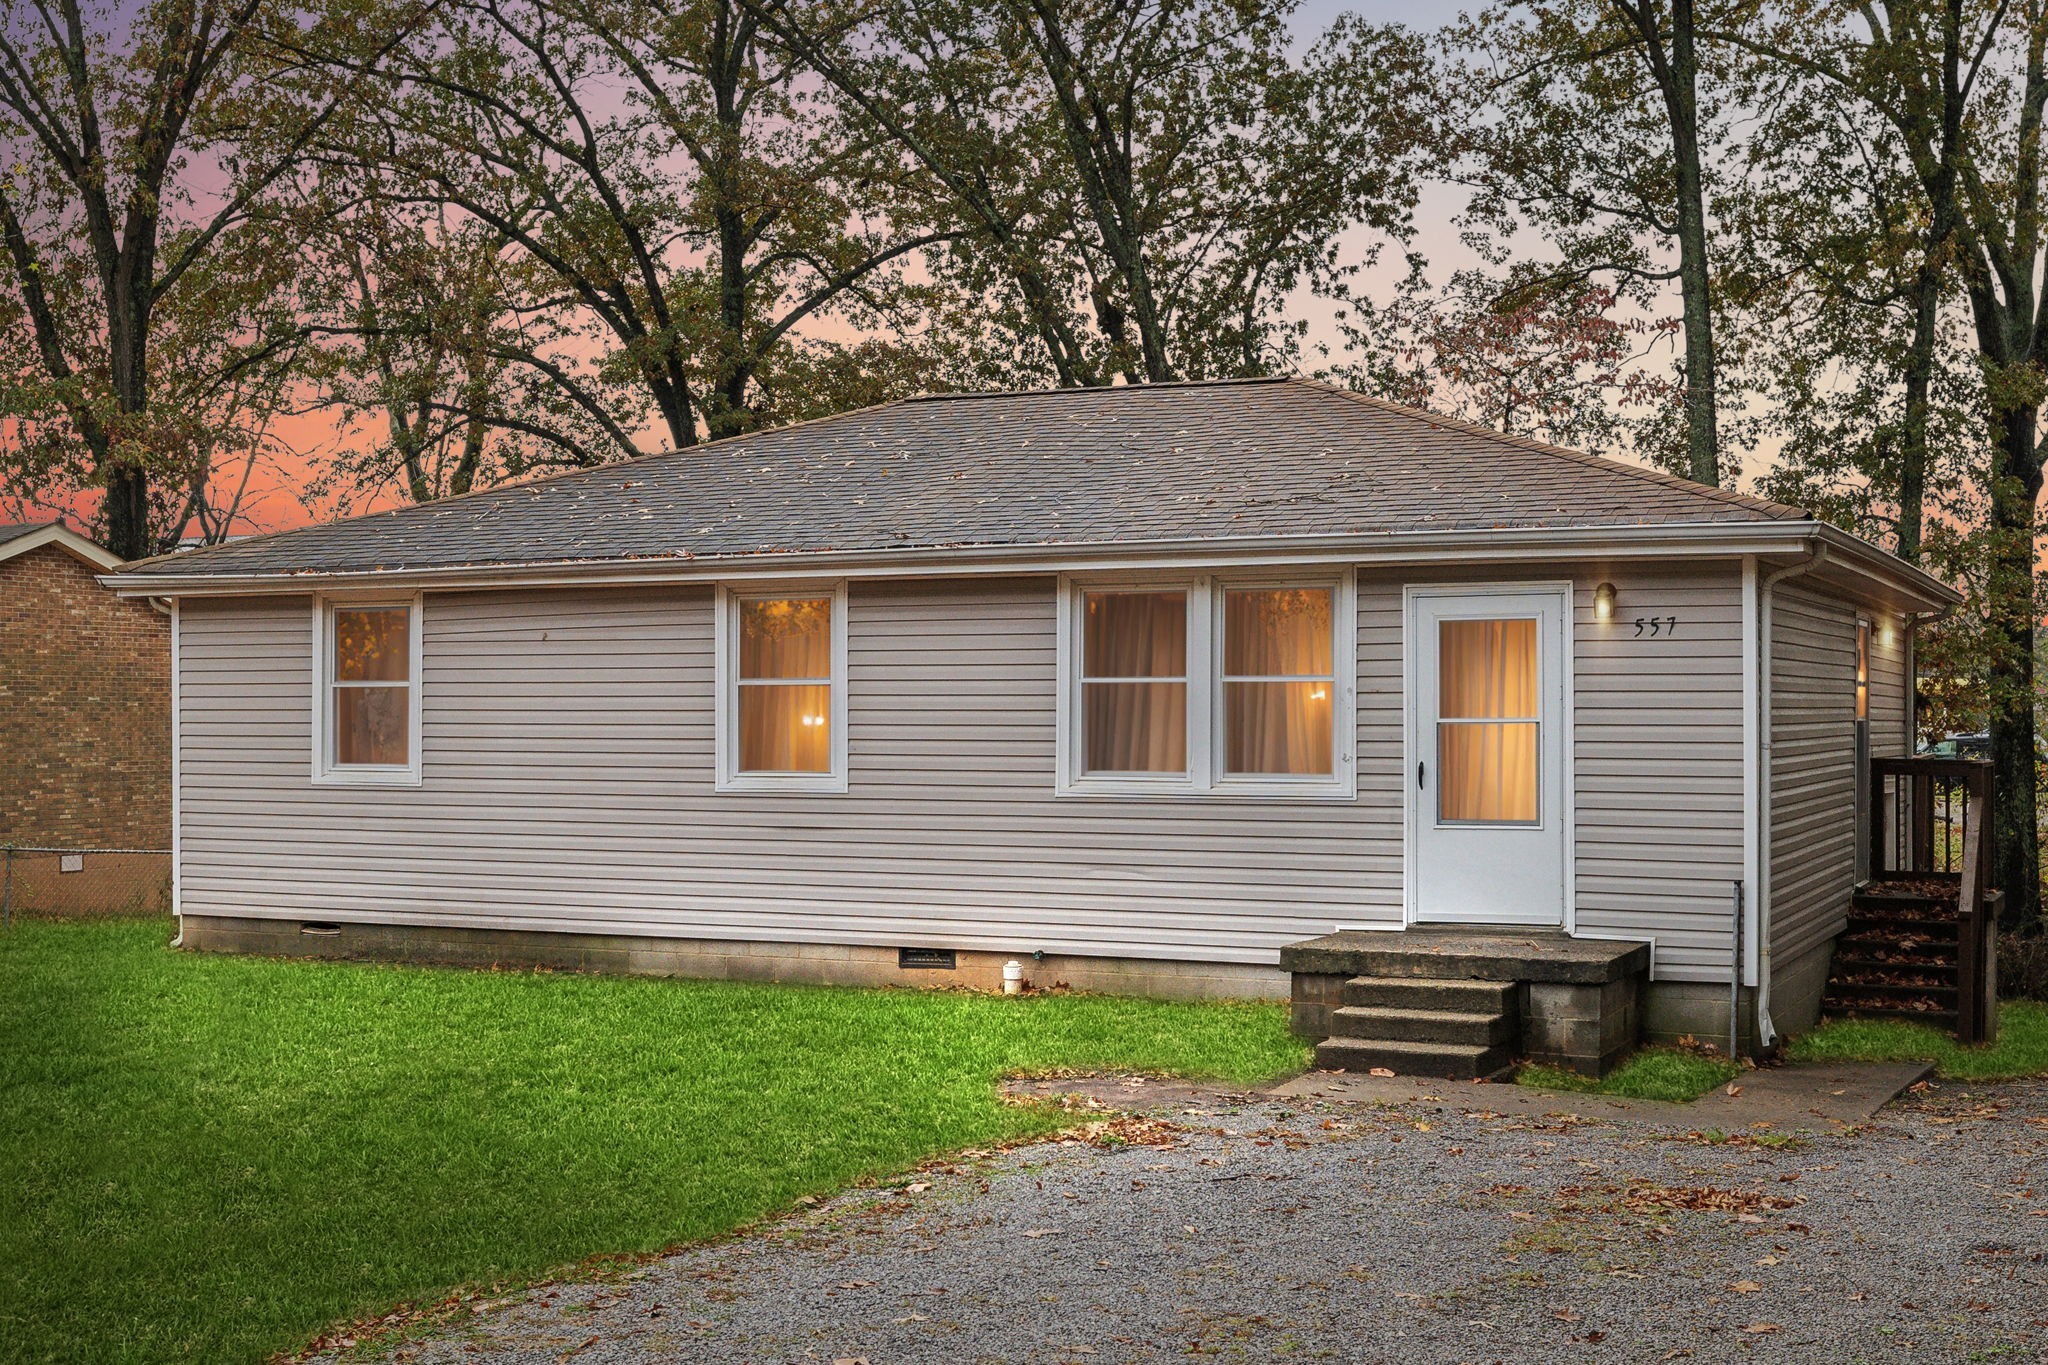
814	720
1317	695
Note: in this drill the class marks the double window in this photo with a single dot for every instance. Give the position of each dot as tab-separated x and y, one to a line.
1205	685
782	690
366	670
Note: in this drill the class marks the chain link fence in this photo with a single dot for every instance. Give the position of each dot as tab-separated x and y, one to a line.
36	880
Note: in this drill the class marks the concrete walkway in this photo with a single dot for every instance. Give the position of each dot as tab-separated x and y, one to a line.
1798	1096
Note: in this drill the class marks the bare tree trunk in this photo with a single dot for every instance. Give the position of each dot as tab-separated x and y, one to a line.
127	512
1938	179
2010	621
1676	71
2004	249
1913	455
1100	150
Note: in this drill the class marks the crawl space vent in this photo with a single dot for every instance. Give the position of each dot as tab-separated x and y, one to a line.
942	958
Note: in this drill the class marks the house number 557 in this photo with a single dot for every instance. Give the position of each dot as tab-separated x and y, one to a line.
1656	625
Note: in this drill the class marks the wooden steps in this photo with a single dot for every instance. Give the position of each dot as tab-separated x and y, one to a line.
1899	957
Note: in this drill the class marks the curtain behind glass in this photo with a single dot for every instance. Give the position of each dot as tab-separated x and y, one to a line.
1278	681
785	691
1134	692
1487	673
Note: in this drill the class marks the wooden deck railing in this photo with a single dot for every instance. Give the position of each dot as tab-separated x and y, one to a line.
1930	822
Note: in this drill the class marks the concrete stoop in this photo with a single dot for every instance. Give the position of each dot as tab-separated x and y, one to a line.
1460	1029
1466	1004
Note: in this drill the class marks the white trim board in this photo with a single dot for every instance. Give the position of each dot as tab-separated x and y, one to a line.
725	708
325	772
177	773
90	553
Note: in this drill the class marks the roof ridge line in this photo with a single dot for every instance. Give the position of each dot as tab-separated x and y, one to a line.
1077	390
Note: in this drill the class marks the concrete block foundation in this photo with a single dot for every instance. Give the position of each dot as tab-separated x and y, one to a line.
834	964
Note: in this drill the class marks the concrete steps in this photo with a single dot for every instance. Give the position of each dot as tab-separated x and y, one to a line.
1458	1029
1466	1000
1425	1026
1452	1061
1468	997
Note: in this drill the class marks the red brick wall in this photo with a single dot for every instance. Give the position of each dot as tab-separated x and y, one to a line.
85	703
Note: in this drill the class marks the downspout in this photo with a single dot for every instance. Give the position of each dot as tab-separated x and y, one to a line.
1915	620
177	764
1766	1032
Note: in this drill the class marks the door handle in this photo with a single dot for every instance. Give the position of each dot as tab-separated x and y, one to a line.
1419	766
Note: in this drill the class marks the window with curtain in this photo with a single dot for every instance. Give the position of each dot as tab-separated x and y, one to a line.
369	687
1134	682
783	711
1208	686
1278	681
1487	722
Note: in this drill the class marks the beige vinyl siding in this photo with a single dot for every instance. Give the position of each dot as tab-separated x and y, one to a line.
1657	748
568	784
1382	751
1890	688
1813	752
1813	765
568	765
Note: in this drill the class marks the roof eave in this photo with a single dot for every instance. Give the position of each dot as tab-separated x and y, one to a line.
1924	591
1493	545
62	537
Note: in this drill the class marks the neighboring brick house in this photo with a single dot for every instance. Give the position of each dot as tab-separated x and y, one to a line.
85	748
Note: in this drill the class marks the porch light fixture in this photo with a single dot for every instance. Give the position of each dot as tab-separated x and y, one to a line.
1603	602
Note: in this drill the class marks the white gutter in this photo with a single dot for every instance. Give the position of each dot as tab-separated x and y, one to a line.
1766	1032
1394	548
177	763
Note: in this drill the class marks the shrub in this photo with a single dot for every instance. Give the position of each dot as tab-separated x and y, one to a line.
2023	966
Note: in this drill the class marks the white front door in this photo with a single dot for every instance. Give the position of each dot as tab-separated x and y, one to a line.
1486	788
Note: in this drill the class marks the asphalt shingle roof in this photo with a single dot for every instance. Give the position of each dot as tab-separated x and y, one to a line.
8	533
1183	462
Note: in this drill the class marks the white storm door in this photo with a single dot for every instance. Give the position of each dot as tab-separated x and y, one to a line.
1486	788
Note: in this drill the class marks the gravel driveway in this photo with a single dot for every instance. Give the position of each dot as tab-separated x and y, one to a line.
1435	1231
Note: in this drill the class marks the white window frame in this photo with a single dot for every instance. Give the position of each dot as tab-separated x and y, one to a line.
1206	743
326	772
729	777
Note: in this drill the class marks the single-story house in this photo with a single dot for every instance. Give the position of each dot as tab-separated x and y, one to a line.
1170	688
85	750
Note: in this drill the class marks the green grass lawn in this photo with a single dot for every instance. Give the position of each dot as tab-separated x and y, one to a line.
1655	1073
2021	1048
1669	1074
210	1158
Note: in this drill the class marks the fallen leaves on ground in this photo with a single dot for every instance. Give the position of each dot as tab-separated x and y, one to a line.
1645	1197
